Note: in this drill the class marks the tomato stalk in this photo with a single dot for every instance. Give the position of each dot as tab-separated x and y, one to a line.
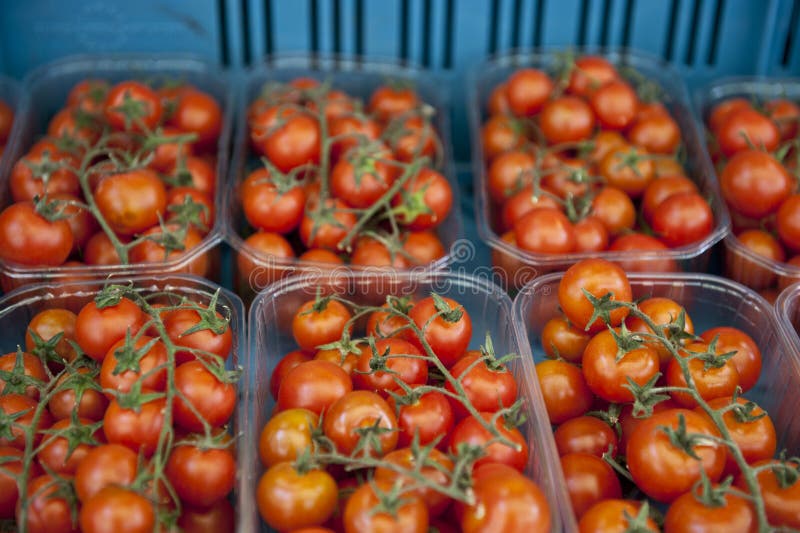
602	307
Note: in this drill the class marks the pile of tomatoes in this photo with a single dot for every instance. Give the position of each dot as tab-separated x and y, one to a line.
756	149
125	174
581	162
401	428
113	419
343	180
677	448
6	121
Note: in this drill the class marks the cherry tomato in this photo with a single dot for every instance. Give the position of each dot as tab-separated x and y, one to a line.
319	322
545	230
117	510
313	385
662	470
682	219
607	374
527	90
410	370
508	173
218	517
92	404
598	277
288	137
126	363
428	198
615	104
662	312
447	334
712	382
747	358
9	492
746	127
627	169
564	390
357	410
785	114
687	513
138	430
360	516
317	232
591	235
423	247
22	408
471	431
97	329
58	455
131	105
199	113
350	131
658	134
662	188
268	207
361	180
203	397
501	133
641	242
589	73
488	385
585	434
390	102
17	365
28	238
25	180
201	477
505	502
183	329
429	416
287	362
613	516
781	498
47	510
103	466
615	210
288	499
589	480
440	474
566	119
286	435
754	183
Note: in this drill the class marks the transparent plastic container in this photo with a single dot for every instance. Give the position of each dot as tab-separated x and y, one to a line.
519	266
18	307
357	77
489	308
45	92
710	301
9	94
787	307
742	264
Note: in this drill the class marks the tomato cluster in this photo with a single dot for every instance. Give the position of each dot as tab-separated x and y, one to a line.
756	150
125	174
6	121
399	429
634	389
582	162
343	180
113	419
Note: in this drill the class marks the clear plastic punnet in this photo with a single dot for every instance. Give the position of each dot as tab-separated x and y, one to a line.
489	308
45	92
9	95
357	77
520	266
18	307
710	301
741	263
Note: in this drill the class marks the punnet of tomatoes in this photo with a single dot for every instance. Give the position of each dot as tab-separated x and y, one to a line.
580	155
340	163
753	138
114	170
118	406
668	398
396	405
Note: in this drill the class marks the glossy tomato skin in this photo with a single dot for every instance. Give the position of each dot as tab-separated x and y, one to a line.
615	210
108	464
359	517
448	338
662	188
487	389
662	312
147	102
687	513
754	183
562	338
545	230
55	453
509	172
598	277
314	385
436	467
499	134
355	410
24	184
92	404
286	435
49	323
682	219
354	182
288	137
585	434
745	127
133	201
31	367
781	502
120	376
607	376
589	73
9	492
430	416
608	516
288	499
564	390
201	478
747	358
433	189
471	431
315	325
663	471
527	90
47	512
410	370
117	510
27	238
287	362
642	242
566	119
219	517
22	408
267	208
137	430
199	113
505	502
714	382
204	394
97	329
589	480
180	321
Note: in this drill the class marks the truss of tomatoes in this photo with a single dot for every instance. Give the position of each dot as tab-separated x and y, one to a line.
399	428
588	160
113	419
341	180
755	145
125	174
6	121
644	405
